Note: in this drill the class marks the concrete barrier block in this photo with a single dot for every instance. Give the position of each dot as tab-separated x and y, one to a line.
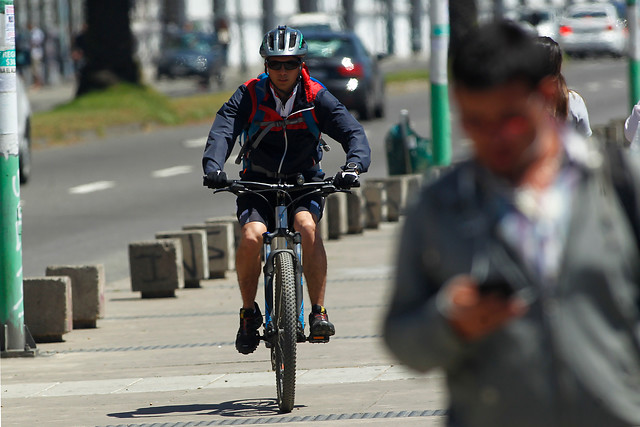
323	227
615	132
195	259
355	211
48	307
220	247
398	189
396	197
87	290
375	196
237	230
336	211
599	133
414	186
156	267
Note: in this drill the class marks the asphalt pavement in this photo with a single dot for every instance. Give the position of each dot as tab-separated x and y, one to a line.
172	361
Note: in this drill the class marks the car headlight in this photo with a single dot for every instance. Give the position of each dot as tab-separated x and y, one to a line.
201	62
352	84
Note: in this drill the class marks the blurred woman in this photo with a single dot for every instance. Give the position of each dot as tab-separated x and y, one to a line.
570	106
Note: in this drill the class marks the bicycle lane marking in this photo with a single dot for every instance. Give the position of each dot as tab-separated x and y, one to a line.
195	382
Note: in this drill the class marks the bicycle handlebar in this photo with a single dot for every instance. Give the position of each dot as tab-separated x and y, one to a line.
324	187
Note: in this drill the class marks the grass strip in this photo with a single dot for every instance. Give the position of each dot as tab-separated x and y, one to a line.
142	106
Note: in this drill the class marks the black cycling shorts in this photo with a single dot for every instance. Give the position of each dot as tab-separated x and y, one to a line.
251	207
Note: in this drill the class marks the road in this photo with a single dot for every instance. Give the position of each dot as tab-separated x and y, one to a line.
87	202
603	83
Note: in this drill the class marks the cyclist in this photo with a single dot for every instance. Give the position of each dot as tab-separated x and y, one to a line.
281	113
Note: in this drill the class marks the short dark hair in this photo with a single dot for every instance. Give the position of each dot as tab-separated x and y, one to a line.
498	53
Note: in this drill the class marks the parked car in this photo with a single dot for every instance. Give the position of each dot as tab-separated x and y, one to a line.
593	28
188	54
340	61
24	131
543	20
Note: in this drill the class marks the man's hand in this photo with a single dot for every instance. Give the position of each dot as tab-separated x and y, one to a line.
215	179
473	315
347	177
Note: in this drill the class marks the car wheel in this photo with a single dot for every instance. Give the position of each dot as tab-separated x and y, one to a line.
25	155
220	79
379	110
366	110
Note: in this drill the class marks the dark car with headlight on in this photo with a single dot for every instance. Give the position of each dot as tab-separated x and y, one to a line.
340	61
192	54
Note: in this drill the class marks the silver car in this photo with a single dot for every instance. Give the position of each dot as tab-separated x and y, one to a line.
592	28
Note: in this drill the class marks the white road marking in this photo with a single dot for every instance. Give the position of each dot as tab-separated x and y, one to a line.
195	142
360	374
176	170
618	83
594	86
90	188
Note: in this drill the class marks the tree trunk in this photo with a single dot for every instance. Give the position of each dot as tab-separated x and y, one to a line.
109	47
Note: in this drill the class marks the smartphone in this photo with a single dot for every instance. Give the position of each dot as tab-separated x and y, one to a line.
496	286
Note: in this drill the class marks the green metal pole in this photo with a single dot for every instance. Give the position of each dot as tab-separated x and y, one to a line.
633	19
11	296
440	116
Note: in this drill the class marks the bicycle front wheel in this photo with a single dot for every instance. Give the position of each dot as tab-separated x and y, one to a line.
283	353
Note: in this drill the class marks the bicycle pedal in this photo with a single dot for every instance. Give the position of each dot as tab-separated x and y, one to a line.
318	339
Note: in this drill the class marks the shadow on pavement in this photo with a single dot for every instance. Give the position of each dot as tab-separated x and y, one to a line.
232	408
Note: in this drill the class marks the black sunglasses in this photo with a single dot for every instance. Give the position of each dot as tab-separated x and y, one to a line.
288	65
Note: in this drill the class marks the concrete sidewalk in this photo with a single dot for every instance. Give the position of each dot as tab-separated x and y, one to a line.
173	362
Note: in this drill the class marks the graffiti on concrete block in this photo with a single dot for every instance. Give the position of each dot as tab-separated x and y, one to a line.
152	263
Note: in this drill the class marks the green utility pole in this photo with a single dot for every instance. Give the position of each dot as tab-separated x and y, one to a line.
11	296
440	116
633	18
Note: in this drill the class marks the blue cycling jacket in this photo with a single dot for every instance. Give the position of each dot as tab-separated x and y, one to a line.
288	146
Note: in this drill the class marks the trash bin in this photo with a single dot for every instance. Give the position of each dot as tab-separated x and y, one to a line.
407	152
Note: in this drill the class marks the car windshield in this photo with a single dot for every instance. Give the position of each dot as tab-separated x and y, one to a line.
200	42
330	48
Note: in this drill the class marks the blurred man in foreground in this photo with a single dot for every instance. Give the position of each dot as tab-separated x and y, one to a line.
518	271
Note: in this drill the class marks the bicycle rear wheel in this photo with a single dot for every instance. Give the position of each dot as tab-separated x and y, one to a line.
283	353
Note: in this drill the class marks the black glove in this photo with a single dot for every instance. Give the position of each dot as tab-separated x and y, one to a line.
346	178
215	179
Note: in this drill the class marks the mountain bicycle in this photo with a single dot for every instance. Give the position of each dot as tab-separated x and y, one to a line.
283	283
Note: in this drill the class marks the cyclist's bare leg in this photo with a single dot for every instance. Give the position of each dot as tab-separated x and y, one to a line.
314	257
248	261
